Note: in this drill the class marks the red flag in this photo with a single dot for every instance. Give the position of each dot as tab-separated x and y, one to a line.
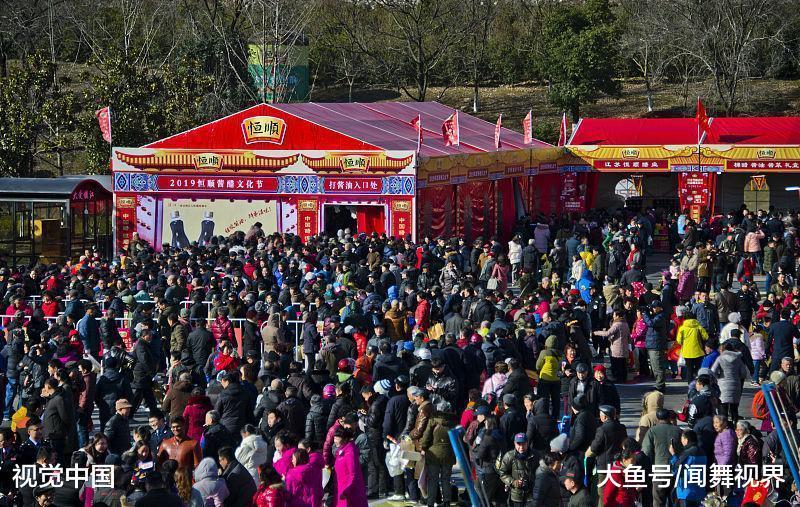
104	119
527	128
497	132
703	121
562	133
450	130
417	124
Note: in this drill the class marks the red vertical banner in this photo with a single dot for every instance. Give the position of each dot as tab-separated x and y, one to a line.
126	220
307	218
401	218
573	194
695	192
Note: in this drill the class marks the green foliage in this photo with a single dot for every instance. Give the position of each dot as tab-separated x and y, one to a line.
146	104
37	116
579	55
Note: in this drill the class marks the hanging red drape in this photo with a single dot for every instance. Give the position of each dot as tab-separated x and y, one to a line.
435	211
476	209
371	219
548	188
506	207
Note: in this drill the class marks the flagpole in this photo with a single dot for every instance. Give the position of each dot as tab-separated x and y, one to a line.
698	138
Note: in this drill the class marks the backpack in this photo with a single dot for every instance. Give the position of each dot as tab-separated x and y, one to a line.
759	407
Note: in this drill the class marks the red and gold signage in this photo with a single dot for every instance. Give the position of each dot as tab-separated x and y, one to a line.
627	165
478	174
440	177
354	163
126	221
401	218
249	184
307	218
694	191
775	165
357	163
353	185
208	161
263	129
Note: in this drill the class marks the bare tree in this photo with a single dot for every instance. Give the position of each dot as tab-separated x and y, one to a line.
481	16
725	38
645	43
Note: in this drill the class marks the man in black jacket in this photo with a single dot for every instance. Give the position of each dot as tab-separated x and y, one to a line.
215	435
239	481
201	344
608	439
143	371
14	352
118	428
58	418
233	404
583	425
394	423
512	421
518	382
378	479
111	386
546	489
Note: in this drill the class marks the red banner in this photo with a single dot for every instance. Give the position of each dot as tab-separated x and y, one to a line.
126	220
695	192
104	119
307	218
402	219
762	164
353	185
249	184
630	164
527	128
573	198
450	130
125	334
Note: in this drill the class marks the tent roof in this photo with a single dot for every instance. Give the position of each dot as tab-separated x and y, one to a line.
50	187
683	131
352	126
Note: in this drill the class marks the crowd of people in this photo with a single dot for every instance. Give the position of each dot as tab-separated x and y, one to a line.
333	372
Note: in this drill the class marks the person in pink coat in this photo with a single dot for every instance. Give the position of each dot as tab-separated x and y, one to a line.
350	489
284	444
304	479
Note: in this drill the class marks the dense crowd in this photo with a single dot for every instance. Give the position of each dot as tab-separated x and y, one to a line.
521	344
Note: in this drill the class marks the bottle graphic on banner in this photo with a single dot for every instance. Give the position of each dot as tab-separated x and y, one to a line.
179	239
206	228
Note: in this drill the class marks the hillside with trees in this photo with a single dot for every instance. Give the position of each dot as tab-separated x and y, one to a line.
167	65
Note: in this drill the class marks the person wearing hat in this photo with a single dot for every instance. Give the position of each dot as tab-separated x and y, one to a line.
513	420
118	428
578	494
517	469
607	440
656	341
439	456
584	425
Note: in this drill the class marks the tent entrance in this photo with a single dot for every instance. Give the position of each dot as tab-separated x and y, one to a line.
366	218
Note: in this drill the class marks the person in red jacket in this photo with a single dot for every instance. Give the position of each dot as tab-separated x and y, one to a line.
615	494
222	328
271	492
422	315
50	307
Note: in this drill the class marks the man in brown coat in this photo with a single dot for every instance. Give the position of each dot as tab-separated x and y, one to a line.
180	447
424	413
396	323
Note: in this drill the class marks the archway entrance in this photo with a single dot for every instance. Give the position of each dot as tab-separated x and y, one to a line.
756	193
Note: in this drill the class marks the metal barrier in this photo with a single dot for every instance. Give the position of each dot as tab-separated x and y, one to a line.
293	326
